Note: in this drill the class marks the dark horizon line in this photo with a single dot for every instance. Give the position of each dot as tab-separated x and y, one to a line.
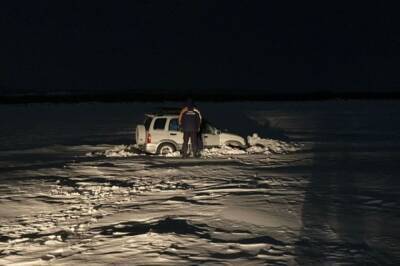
212	97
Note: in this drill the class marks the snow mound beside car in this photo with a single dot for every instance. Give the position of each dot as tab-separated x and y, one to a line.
117	151
257	145
221	151
268	146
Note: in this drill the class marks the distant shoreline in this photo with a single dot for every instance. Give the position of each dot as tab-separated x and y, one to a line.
217	97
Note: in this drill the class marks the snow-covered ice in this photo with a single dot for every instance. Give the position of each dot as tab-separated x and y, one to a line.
318	185
257	145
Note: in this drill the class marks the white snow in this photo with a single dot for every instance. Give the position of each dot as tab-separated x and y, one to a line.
221	151
273	203
116	151
257	145
267	146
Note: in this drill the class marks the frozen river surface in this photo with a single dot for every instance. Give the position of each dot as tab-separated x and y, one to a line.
73	190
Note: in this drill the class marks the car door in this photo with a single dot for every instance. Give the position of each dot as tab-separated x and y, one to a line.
174	132
210	136
210	140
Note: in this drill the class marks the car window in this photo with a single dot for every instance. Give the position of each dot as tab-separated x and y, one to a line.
173	125
208	128
159	124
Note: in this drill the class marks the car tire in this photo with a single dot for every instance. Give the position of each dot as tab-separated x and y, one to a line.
165	148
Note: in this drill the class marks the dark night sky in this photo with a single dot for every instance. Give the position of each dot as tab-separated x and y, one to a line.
57	45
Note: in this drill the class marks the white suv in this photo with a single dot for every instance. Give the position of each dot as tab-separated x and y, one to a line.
161	134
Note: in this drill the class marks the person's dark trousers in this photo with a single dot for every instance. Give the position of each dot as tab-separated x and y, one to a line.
200	144
192	135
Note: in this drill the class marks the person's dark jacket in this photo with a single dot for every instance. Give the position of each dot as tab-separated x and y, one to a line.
190	120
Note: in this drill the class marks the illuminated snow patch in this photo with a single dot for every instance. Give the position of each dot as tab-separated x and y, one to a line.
257	145
117	151
224	150
173	154
267	146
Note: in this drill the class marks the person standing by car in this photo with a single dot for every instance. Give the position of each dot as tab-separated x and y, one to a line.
190	121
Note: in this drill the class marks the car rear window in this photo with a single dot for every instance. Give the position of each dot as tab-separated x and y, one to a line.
159	123
173	125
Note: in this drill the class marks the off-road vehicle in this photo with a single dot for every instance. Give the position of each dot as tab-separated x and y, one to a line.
160	134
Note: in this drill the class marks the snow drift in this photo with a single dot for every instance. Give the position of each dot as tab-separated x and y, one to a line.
257	145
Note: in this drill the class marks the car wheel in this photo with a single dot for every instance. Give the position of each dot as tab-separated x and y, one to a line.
166	148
